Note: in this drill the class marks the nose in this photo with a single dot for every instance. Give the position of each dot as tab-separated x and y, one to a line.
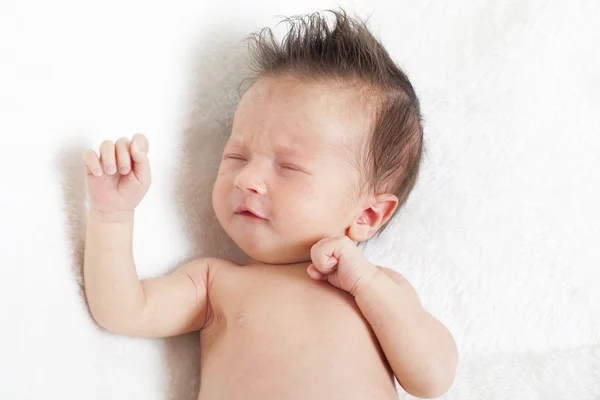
249	179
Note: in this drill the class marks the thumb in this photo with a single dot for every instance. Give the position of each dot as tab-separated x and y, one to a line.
315	273
139	156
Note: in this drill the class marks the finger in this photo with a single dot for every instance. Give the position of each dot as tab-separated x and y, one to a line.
327	253
139	156
92	164
324	259
123	156
107	157
314	273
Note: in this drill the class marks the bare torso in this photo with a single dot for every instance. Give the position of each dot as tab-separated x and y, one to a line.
274	333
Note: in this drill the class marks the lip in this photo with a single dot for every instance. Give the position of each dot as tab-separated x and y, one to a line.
249	212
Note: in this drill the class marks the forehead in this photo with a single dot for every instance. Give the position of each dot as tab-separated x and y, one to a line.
299	116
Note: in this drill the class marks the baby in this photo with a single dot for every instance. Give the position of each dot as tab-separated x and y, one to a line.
324	149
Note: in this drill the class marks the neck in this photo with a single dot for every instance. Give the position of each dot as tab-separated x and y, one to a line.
251	261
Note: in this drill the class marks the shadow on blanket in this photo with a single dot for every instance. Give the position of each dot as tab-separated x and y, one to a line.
214	82
214	85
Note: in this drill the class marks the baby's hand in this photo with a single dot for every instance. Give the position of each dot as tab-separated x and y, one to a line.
340	262
120	177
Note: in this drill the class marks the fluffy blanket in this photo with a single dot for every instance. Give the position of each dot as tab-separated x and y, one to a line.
501	236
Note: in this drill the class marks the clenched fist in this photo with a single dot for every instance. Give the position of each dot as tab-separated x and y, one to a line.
340	262
119	178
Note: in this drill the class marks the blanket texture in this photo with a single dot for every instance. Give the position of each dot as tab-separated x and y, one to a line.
501	236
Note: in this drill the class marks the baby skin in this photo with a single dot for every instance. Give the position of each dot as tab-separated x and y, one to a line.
307	316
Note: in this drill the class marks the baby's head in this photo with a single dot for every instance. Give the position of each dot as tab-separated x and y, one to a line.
327	141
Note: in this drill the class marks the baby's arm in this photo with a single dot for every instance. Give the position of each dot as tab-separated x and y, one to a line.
419	348
118	300
157	307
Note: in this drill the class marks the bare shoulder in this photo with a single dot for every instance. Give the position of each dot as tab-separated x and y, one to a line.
203	267
205	270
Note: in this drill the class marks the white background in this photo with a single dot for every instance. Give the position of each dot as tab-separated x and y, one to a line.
501	236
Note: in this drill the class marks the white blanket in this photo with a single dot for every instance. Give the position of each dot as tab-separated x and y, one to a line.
501	236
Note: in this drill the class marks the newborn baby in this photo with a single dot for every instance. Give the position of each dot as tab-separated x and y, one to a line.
324	149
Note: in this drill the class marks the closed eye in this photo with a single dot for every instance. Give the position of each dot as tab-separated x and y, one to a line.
294	167
234	156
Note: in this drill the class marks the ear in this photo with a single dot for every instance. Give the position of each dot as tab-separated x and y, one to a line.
378	211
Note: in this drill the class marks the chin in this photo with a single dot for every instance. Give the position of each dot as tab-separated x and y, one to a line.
259	248
263	249
255	244
260	242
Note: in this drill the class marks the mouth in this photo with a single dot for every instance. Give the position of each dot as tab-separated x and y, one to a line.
248	213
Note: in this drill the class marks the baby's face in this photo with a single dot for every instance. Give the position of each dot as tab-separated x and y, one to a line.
289	174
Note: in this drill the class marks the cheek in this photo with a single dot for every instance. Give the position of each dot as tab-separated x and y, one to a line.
219	193
225	176
311	201
335	198
293	200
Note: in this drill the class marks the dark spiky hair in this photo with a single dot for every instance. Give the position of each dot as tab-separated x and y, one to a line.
348	52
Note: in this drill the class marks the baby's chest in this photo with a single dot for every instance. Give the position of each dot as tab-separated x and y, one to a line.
249	297
307	334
